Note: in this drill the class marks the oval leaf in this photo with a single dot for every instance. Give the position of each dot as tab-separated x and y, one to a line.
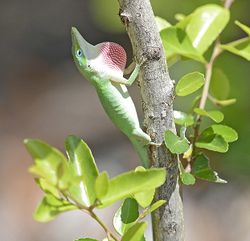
129	211
130	183
48	160
174	143
219	86
187	178
228	133
212	142
84	166
135	233
215	115
119	226
50	207
205	25
183	119
176	42
189	83
202	170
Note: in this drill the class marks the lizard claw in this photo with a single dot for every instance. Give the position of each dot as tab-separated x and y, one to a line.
140	61
155	144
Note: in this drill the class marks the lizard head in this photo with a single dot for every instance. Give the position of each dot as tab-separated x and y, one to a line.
80	49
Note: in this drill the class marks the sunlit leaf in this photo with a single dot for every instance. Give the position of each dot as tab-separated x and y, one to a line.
144	199
202	170
101	185
119	226
205	25
183	119
215	115
84	166
48	188
50	207
130	183
48	160
161	23
224	102
135	233
129	211
176	42
219	86
174	143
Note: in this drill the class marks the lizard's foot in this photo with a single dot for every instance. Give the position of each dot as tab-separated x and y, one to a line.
155	144
140	61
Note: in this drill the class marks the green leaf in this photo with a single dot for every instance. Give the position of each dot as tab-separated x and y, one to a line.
154	206
129	210
183	119
186	178
228	133
244	27
189	83
50	207
201	169
176	42
84	166
48	188
162	23
135	233
240	48
205	25
212	142
130	183
101	185
220	86
144	198
48	160
174	143
119	226
223	102
215	115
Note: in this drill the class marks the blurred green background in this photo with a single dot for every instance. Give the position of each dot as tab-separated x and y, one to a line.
43	96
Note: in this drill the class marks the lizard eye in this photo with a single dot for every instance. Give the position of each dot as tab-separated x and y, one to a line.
79	53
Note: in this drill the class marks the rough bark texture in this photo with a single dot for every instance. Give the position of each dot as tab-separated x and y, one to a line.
157	101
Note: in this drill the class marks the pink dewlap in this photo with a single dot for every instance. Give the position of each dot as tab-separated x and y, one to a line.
114	56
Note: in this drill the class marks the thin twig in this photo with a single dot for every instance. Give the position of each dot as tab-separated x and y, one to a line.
105	228
205	93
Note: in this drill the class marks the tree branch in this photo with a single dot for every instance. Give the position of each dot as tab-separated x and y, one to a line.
157	93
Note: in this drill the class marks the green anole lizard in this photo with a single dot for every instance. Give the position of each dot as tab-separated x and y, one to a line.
103	66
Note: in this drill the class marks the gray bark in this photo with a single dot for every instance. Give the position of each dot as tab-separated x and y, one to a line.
157	93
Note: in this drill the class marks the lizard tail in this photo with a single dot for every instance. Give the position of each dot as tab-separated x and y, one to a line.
142	151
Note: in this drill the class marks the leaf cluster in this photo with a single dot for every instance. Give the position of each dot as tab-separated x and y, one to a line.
196	37
75	183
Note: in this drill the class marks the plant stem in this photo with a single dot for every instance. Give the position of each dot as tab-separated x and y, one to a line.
157	94
105	228
208	74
